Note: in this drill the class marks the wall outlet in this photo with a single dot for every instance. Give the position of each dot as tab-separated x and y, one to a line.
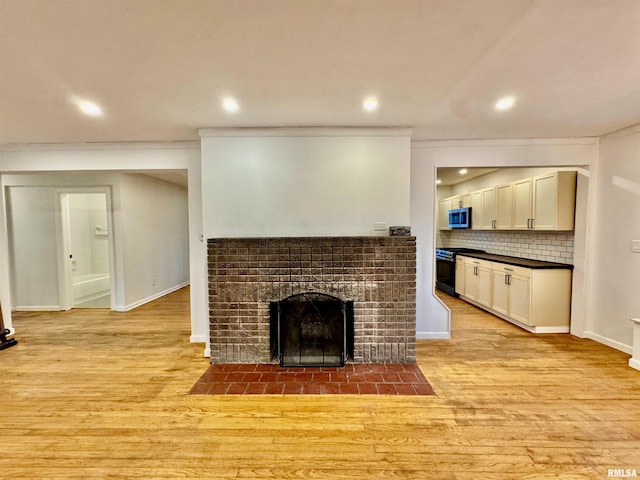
380	226
153	281
635	246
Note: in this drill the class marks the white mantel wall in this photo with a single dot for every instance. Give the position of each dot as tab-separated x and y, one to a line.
433	317
304	182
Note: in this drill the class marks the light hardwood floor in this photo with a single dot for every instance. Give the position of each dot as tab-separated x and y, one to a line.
97	394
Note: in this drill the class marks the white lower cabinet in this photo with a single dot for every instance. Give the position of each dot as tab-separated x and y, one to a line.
477	280
512	291
538	299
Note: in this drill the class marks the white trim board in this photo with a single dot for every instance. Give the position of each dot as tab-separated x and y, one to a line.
608	342
37	308
433	336
150	298
306	132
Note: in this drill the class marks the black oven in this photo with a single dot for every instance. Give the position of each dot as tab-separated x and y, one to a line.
446	268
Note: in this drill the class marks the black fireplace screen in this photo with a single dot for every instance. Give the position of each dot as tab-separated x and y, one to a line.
312	329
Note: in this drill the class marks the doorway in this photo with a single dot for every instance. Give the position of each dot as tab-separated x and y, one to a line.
85	250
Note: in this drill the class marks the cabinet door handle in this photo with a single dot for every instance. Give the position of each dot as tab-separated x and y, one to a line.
506	279
532	225
528	223
475	270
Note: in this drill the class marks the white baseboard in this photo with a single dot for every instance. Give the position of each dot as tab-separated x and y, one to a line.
634	363
198	339
151	298
36	308
207	351
433	336
551	329
609	343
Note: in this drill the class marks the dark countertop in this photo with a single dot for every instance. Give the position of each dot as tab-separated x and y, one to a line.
517	261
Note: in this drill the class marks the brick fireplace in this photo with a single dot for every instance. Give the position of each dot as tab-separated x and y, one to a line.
377	274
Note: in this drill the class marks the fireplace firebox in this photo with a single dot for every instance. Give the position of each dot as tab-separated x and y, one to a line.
312	330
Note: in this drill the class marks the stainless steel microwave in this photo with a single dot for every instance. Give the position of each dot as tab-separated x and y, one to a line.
460	218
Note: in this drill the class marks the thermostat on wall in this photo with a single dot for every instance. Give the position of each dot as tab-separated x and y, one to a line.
380	226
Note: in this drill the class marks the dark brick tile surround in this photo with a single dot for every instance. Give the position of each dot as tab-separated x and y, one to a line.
377	273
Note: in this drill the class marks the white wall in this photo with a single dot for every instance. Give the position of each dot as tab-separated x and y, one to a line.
615	270
116	157
433	317
155	223
151	237
33	250
304	182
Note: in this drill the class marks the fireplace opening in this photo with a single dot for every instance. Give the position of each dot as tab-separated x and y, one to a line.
311	330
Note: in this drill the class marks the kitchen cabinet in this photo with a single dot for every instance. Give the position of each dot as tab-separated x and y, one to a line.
488	210
512	291
477	280
476	210
554	201
545	202
537	299
443	213
522	196
492	208
504	207
465	200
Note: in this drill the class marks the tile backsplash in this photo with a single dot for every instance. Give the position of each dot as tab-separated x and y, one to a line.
547	246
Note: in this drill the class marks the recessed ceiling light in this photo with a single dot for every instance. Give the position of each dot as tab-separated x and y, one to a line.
370	104
505	103
438	181
230	104
462	171
89	108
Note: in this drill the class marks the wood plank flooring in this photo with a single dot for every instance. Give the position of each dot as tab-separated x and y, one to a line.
96	394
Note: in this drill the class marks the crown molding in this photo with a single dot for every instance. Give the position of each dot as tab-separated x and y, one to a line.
306	132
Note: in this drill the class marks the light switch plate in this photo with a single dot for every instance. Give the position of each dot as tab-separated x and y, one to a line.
635	246
379	226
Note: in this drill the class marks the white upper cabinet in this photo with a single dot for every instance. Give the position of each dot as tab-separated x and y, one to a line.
488	211
522	195
465	200
504	207
554	201
476	210
443	213
492	208
543	202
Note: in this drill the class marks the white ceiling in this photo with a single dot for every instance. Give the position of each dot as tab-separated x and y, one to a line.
452	176
160	67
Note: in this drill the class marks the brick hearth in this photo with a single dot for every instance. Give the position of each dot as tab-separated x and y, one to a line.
377	273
